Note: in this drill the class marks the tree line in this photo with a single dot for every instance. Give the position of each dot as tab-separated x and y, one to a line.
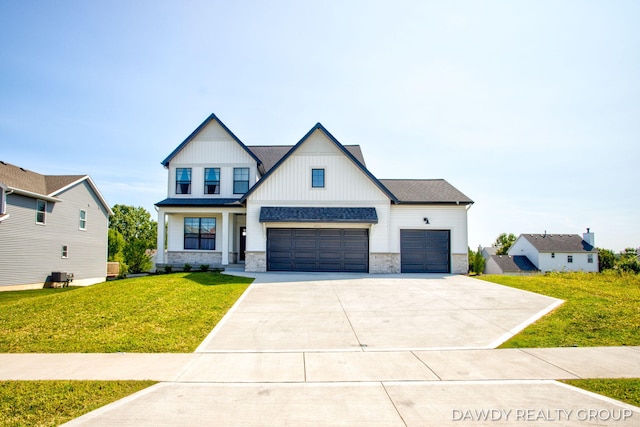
132	234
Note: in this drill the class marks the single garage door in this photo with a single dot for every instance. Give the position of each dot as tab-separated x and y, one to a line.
424	251
320	249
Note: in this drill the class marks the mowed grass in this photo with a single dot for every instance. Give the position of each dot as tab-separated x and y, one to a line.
626	390
169	313
51	403
599	310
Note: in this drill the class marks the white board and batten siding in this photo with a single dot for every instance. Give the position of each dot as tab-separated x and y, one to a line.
30	252
213	142
290	185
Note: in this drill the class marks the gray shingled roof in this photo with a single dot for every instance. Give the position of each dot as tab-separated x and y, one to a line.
425	191
208	202
308	214
558	243
22	179
514	264
271	154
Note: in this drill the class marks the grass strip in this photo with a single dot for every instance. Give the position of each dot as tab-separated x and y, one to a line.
601	309
625	390
169	313
51	403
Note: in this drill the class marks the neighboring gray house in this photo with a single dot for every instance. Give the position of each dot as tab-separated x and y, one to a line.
50	223
558	252
510	265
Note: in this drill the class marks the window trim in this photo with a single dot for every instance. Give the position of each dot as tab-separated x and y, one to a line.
180	182
217	186
65	252
43	212
82	221
570	259
313	176
238	181
589	258
199	236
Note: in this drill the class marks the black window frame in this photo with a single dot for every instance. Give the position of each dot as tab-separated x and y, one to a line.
240	185
199	240
211	182
570	259
317	173
183	186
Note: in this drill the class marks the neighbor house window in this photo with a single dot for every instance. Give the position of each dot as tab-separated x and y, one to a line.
65	251
569	258
240	180
211	180
41	211
83	219
553	254
590	258
3	200
317	178
183	180
200	233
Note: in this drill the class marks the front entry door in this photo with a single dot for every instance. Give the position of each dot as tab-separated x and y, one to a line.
243	242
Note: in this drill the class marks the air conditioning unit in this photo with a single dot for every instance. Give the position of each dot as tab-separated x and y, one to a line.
59	276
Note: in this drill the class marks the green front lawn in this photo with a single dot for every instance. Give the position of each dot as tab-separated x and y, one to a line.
169	313
623	389
51	403
599	309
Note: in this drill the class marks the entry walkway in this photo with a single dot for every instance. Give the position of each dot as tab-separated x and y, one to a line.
410	350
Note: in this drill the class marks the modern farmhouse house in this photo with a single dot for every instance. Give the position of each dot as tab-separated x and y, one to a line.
50	223
313	206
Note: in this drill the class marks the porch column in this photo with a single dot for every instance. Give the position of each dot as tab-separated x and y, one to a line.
160	257
224	238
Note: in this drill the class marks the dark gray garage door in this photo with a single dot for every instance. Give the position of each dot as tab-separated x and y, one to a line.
424	251
302	249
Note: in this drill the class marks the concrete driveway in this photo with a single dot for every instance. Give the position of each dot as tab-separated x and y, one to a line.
337	312
354	350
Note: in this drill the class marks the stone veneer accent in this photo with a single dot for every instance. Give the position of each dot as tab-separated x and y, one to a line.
255	262
195	258
459	263
384	263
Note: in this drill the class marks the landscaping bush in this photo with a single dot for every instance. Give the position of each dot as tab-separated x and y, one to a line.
204	267
187	267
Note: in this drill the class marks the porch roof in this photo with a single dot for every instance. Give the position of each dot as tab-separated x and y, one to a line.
202	202
312	214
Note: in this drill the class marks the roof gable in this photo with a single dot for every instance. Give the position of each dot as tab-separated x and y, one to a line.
347	153
270	155
200	129
558	243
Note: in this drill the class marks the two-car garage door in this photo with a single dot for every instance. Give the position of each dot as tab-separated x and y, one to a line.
318	249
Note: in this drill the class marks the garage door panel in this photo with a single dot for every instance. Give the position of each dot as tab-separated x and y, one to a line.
318	250
425	251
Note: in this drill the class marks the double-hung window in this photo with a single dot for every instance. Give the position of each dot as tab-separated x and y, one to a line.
83	220
240	180
569	258
65	251
41	211
590	258
200	233
3	200
211	180
183	180
317	178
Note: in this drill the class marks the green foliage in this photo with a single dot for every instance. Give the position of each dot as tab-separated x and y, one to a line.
116	244
476	262
600	309
168	269
628	262
503	242
204	267
152	314
136	256
51	403
134	223
624	389
187	267
606	259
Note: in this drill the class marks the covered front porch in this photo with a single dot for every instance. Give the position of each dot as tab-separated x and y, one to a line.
214	236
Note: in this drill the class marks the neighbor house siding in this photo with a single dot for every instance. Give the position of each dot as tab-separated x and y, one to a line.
523	247
559	262
30	252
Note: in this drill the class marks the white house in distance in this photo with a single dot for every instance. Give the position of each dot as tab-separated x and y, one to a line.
558	252
313	206
50	224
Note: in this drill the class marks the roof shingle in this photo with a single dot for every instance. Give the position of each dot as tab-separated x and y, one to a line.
558	243
19	178
425	191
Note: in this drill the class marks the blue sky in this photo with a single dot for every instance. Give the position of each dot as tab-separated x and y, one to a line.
531	108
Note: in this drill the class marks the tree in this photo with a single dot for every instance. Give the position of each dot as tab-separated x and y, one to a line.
503	242
629	261
476	262
131	233
606	259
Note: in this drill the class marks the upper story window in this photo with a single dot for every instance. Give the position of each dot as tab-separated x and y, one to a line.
183	180
211	180
317	178
569	258
200	233
240	180
83	220
41	211
3	200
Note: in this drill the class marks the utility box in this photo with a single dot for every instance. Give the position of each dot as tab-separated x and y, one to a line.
59	276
